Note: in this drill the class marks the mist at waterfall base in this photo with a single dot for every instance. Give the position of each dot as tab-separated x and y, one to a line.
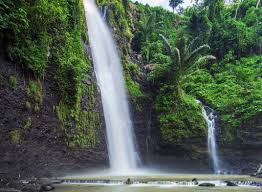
123	155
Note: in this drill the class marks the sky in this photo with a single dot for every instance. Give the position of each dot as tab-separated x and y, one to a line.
162	3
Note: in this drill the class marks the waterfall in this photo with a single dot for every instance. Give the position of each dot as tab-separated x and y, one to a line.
210	118
120	139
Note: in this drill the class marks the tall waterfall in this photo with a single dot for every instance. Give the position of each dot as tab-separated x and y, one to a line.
108	69
210	118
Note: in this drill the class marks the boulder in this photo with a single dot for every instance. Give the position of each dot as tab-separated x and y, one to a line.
258	172
207	185
128	182
48	187
195	181
230	184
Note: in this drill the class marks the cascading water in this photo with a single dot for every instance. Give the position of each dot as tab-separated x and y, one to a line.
210	118
121	148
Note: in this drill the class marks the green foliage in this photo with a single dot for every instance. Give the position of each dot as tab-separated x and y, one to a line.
70	80
117	15
235	36
28	123
133	88
132	77
179	118
34	90
13	81
231	86
33	54
80	127
234	91
47	32
15	137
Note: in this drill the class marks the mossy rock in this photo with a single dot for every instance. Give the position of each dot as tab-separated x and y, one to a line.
13	81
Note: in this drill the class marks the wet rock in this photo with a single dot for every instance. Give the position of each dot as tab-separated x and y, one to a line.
231	184
258	172
49	187
31	188
128	182
195	181
56	181
206	185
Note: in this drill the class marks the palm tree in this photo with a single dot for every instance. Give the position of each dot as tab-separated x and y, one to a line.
148	26
174	3
184	57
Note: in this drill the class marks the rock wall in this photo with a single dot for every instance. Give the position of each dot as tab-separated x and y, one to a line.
32	143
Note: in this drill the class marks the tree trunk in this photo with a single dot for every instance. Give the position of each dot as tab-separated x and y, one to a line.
258	3
238	6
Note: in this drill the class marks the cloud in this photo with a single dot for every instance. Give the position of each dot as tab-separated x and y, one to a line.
162	3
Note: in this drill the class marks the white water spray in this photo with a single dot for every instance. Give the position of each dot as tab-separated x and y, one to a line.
210	118
121	148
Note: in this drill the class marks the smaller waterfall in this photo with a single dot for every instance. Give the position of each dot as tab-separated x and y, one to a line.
210	118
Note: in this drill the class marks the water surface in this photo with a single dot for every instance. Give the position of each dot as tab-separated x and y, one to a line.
83	188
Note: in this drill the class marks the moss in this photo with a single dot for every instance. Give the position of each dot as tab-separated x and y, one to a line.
117	17
28	123
34	90
15	137
132	77
180	118
36	108
1	80
85	125
13	81
27	105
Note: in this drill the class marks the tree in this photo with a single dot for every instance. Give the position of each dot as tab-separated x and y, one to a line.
174	3
141	37
258	3
185	56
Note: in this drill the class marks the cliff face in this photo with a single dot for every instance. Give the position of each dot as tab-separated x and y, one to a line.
51	113
33	142
53	121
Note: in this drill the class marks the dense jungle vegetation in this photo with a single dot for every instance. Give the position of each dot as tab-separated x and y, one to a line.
210	52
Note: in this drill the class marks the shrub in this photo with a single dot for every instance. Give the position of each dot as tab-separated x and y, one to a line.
15	136
28	123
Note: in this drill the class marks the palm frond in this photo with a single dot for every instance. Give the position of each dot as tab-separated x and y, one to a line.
196	52
174	53
203	60
192	43
167	44
177	56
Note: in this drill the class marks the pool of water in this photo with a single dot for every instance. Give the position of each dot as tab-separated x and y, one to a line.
157	183
121	188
